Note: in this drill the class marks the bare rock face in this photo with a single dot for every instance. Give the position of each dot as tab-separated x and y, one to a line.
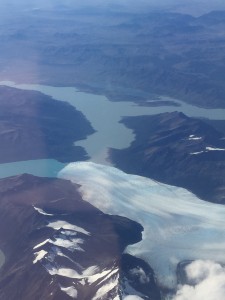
58	246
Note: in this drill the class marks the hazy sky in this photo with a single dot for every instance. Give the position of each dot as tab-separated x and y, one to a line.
195	7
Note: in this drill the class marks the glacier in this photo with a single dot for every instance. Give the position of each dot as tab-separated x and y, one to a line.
177	225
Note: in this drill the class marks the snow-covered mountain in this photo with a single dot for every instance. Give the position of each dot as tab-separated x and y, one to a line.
57	246
106	235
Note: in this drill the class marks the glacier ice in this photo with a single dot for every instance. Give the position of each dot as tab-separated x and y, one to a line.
177	225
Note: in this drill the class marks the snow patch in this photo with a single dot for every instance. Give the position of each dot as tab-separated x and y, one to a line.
193	137
196	153
106	288
103	276
65	272
207	149
70	244
42	212
41	244
68	232
88	276
39	255
214	149
70	291
109	275
66	225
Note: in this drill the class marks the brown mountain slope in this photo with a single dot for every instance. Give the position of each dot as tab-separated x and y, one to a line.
34	126
58	246
177	150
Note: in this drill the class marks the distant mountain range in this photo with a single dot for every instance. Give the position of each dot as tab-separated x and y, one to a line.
109	52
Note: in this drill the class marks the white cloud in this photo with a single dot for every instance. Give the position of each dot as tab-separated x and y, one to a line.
207	279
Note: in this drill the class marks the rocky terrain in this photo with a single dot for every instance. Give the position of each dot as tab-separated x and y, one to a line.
34	126
178	150
58	246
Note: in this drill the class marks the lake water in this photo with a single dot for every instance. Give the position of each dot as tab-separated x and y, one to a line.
39	167
104	116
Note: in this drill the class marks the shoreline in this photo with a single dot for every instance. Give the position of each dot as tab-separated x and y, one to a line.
2	259
107	125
